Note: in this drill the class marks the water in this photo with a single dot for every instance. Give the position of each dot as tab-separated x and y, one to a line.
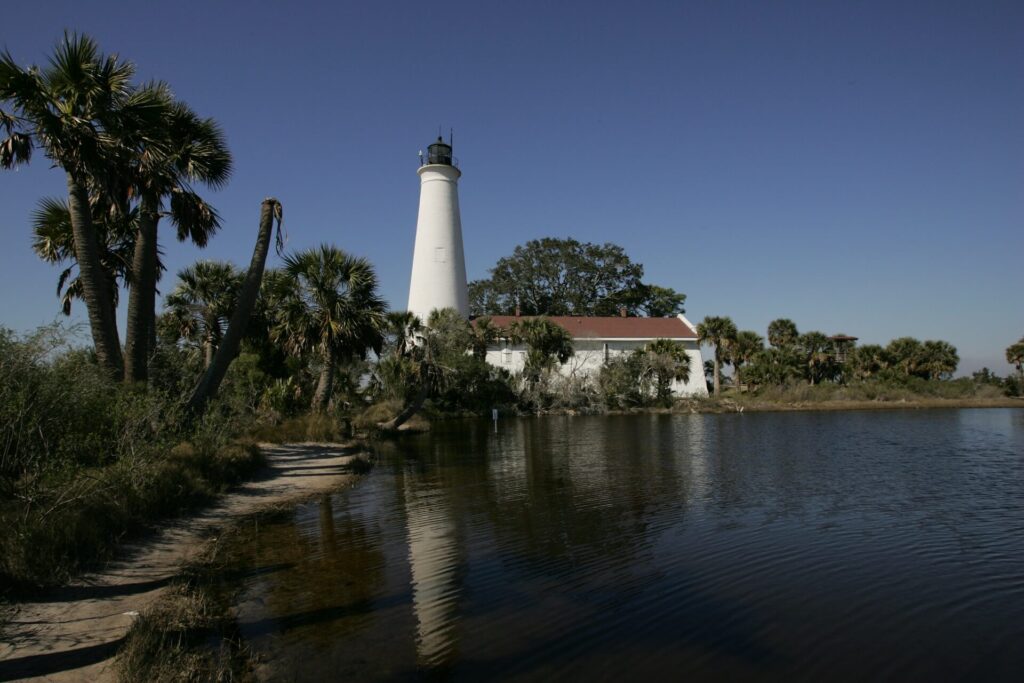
791	546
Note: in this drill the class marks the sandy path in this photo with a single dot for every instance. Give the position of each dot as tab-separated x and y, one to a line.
72	633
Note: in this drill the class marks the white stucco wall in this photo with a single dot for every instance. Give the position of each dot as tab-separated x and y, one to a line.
438	262
591	354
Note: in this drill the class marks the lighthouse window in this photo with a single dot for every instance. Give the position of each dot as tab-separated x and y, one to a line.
439	255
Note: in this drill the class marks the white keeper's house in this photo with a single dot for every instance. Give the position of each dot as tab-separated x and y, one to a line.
439	281
599	339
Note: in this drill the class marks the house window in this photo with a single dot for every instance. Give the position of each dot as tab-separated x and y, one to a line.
507	356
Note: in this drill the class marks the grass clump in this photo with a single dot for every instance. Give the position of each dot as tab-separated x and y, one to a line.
314	427
190	633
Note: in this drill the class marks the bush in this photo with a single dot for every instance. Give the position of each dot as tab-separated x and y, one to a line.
62	521
84	460
56	407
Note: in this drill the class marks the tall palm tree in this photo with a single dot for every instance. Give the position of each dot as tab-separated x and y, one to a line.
719	331
181	150
332	311
199	306
743	349
72	109
209	383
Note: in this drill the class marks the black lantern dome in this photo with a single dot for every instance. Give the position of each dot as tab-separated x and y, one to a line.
440	153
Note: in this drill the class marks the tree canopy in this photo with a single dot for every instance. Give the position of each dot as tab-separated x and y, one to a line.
552	276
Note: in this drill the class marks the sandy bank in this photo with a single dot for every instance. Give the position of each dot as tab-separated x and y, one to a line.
72	633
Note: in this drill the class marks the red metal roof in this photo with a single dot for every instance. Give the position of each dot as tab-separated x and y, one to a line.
612	327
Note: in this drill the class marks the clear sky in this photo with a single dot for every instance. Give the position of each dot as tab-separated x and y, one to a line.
857	167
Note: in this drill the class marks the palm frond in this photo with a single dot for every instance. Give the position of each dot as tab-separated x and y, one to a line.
52	239
193	217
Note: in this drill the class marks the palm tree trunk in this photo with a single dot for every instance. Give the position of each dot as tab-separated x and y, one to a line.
410	409
142	297
718	379
228	349
325	386
207	353
96	289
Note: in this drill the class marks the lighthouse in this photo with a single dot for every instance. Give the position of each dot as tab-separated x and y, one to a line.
438	263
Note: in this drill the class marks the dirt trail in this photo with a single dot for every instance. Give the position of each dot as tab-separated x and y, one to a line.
72	633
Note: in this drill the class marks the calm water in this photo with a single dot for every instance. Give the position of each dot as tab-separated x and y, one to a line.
808	546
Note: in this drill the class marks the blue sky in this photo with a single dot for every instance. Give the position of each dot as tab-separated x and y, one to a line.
856	167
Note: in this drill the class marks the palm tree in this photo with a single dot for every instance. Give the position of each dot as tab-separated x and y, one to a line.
940	359
54	242
421	367
73	110
1015	356
209	383
868	360
546	344
743	349
199	306
332	311
664	361
180	150
907	355
718	331
819	361
485	333
402	328
782	333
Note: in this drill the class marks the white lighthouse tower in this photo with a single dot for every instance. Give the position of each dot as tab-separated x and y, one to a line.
438	263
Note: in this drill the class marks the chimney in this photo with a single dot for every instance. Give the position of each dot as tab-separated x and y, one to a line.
622	311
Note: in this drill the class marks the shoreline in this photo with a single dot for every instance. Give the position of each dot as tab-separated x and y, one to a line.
74	632
728	404
766	406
